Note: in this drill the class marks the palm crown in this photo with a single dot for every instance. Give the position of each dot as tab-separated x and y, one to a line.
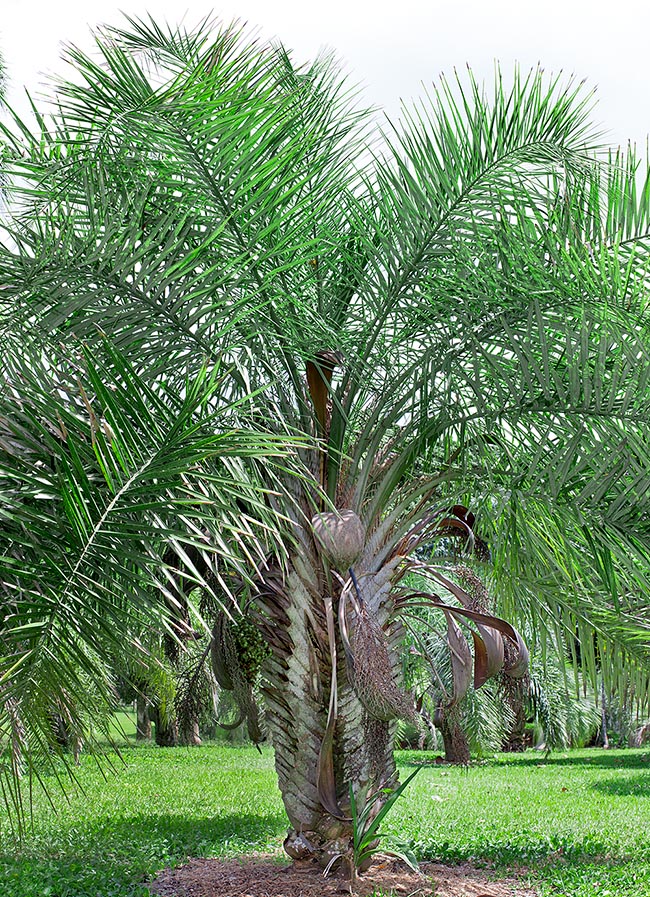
449	313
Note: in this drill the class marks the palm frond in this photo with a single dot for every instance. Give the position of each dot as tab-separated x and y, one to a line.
451	313
100	472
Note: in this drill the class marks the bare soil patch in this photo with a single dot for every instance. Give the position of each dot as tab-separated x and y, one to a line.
265	877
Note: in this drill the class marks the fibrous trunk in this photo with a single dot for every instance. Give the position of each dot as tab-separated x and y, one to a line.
513	692
448	721
143	720
603	715
324	737
189	734
166	730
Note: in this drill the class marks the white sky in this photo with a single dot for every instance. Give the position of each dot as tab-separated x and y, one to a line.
392	49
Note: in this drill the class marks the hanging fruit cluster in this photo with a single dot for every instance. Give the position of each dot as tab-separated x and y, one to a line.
238	651
250	647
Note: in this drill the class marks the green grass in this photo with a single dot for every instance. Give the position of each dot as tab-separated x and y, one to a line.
166	804
578	823
122	728
513	812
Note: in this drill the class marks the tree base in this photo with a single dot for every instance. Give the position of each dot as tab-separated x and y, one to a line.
263	875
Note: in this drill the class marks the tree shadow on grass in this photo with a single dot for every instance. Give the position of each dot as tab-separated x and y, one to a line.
524	851
561	862
603	760
116	856
637	785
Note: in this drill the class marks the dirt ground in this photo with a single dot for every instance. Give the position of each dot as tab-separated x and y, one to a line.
265	877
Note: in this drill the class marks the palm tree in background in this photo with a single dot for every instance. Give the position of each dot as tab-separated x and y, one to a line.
444	315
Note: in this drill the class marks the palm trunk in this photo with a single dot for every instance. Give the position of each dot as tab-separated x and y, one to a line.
603	715
166	730
189	734
143	720
514	692
324	738
447	720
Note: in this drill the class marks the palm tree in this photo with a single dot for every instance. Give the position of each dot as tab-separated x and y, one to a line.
421	303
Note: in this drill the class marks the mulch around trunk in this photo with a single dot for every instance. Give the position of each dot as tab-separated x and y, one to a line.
266	877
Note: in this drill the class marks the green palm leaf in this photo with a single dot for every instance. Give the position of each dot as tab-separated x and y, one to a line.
100	471
452	311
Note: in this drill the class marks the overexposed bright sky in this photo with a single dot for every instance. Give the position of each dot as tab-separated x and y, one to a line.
391	48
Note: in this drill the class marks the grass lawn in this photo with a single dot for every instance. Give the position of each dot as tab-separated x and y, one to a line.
578	822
